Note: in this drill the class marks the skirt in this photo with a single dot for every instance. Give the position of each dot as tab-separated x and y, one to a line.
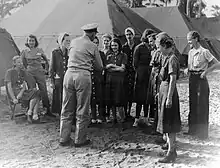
168	118
198	118
57	96
141	84
114	90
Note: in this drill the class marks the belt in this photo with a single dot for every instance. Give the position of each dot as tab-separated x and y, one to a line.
78	69
196	72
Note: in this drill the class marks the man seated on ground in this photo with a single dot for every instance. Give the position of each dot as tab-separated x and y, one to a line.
21	89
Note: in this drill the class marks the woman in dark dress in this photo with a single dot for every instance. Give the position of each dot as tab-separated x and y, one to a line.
141	62
57	69
98	90
128	49
169	122
199	60
106	38
115	66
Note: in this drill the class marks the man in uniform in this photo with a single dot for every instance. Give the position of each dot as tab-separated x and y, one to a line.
83	56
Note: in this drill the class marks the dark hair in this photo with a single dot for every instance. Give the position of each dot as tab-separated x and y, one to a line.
166	42
194	35
116	40
96	38
35	39
146	33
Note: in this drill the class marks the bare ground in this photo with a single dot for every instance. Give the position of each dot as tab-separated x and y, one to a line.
36	146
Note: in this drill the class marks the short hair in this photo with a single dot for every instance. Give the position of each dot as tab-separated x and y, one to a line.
14	59
35	39
194	35
165	40
107	36
146	33
96	38
116	40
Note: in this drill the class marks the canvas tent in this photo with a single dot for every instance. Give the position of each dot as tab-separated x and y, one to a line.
8	49
177	25
48	18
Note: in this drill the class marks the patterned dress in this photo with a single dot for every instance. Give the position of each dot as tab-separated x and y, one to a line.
130	72
115	92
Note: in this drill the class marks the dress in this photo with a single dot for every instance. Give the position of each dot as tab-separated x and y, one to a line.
57	69
168	118
115	92
130	72
142	58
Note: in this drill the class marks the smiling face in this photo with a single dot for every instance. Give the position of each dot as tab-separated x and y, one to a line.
96	41
66	42
18	63
114	46
129	36
151	41
31	42
191	41
106	42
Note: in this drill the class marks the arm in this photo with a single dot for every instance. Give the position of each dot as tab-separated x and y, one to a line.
46	61
52	67
136	56
98	65
213	63
24	61
24	87
119	68
11	93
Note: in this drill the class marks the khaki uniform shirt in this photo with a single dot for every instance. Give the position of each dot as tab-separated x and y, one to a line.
84	55
199	59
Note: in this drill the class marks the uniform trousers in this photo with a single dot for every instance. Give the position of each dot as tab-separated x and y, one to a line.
76	102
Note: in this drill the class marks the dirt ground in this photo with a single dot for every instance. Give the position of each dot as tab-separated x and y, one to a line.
36	146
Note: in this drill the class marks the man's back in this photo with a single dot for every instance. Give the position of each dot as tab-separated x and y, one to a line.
83	53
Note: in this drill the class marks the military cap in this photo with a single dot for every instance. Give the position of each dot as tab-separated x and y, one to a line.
92	27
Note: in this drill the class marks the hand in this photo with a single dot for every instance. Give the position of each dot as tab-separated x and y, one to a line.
19	96
168	103
203	75
186	71
15	101
52	85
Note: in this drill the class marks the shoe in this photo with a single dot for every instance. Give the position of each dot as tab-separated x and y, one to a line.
99	121
93	121
35	117
160	141
135	122
49	114
108	120
87	142
164	146
171	157
70	142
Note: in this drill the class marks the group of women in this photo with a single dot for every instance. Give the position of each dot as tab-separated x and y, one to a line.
144	73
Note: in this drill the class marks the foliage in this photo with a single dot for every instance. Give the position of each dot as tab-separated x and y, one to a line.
6	6
215	10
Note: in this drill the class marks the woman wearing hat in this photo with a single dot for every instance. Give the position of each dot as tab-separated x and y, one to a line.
57	69
141	62
128	49
199	60
169	122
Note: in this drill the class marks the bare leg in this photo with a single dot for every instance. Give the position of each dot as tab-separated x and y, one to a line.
35	111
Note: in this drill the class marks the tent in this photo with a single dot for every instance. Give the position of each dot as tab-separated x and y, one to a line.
8	49
177	25
168	19
48	18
